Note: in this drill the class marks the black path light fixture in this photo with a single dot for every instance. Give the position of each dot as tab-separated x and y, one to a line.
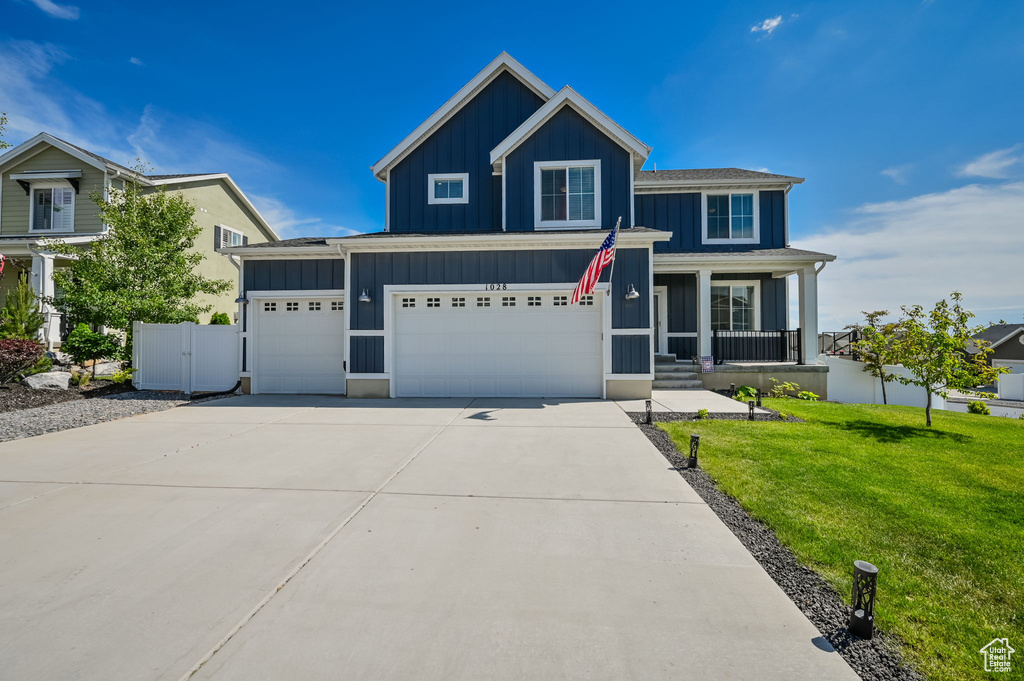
750	405
759	397
694	446
862	612
650	412
732	390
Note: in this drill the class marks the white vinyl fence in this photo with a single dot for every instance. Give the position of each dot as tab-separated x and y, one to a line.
1011	387
848	382
187	357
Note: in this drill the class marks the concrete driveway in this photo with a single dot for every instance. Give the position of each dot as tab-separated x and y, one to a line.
321	538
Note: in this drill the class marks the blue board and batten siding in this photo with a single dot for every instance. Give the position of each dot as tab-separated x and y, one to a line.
681	215
366	354
462	145
293	275
567	136
631	354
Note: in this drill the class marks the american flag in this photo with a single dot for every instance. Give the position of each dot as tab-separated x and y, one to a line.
605	256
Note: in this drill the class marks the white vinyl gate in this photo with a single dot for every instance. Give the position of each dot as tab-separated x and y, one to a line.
187	357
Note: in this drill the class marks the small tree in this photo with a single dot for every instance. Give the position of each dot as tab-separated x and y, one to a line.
3	131
20	316
143	270
877	346
933	347
84	344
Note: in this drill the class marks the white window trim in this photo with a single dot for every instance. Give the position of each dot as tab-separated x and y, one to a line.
756	239
433	177
566	224
32	207
756	283
225	228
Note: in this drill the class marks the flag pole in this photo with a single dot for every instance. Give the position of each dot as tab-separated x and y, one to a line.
611	272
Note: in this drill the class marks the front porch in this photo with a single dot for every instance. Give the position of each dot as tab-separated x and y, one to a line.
38	266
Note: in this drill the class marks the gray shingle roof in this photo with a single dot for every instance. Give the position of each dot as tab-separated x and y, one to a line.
95	155
322	240
998	332
175	176
753	253
697	175
285	243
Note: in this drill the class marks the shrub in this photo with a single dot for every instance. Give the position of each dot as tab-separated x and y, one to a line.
20	316
84	344
978	407
122	375
17	355
41	367
702	414
745	393
220	318
807	395
781	389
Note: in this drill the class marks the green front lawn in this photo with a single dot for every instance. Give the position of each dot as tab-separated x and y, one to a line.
939	510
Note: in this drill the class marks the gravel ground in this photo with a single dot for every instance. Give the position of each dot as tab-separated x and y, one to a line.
79	412
874	660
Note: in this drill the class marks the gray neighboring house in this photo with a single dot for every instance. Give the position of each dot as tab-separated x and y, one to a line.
1007	344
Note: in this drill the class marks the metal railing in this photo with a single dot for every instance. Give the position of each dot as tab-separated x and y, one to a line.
756	346
839	343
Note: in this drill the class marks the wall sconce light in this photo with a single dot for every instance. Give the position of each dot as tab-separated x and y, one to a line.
364	297
631	294
241	299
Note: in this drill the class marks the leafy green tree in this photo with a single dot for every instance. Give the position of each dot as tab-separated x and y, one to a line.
144	269
20	316
3	131
933	347
84	344
877	346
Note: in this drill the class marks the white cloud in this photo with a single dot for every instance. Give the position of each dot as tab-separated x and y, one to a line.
57	11
994	164
288	224
918	250
897	174
767	26
136	61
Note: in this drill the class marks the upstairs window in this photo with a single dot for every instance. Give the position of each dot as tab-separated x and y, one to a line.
229	237
734	306
53	209
567	194
448	188
730	218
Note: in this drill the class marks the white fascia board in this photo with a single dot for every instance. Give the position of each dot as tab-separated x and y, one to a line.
568	96
231	184
46	175
499	241
647	187
45	138
664	264
271	253
503	61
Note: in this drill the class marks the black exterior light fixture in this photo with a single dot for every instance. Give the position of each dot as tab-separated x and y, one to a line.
241	299
364	297
759	397
694	446
631	294
650	412
862	614
750	404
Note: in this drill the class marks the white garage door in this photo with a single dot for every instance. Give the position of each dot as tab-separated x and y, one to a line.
497	345
299	346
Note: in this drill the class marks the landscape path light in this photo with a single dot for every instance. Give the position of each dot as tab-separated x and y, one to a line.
694	446
862	612
750	404
650	412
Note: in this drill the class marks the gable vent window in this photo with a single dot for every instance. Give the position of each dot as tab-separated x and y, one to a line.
567	194
433	302
447	188
508	301
408	302
291	307
533	301
458	302
229	238
53	210
587	300
561	301
337	305
270	307
483	302
730	218
314	306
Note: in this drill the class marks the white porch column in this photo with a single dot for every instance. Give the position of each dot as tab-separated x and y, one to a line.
704	312
42	285
808	300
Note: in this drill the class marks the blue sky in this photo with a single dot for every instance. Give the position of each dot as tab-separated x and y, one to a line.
905	118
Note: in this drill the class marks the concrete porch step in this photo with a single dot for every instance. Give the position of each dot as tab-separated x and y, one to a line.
669	384
675	367
665	358
660	375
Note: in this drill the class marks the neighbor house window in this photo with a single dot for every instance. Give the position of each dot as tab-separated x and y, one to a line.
53	209
567	194
734	307
448	188
229	237
730	217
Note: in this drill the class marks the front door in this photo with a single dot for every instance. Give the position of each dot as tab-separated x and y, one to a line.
660	320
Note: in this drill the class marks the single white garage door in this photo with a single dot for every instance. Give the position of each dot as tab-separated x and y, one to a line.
503	344
299	346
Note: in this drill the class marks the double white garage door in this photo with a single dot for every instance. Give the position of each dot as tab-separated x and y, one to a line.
464	344
500	344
